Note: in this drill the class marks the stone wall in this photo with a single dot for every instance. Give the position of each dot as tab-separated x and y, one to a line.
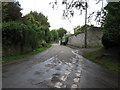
14	50
94	38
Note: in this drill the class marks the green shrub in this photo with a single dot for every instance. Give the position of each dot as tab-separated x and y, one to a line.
18	34
67	37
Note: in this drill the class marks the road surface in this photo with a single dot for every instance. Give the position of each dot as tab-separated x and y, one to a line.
57	67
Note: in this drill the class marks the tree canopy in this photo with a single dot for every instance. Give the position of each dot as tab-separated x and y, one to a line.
11	11
55	35
61	32
24	33
111	25
80	29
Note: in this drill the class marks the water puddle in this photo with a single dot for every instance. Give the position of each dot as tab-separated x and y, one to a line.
55	71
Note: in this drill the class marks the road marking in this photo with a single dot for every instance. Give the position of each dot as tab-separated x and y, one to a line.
63	78
73	61
74	86
76	79
67	73
77	55
78	74
58	85
78	71
69	70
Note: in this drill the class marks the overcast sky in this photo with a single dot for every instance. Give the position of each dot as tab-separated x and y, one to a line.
55	16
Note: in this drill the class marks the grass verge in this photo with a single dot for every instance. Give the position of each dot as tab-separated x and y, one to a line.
106	58
11	58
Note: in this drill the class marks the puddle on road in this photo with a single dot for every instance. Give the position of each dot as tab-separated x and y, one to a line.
58	68
54	70
48	65
55	79
39	73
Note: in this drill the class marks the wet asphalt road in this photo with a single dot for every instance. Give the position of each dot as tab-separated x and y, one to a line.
57	67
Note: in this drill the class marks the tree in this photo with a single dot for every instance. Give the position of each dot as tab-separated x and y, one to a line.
61	32
39	21
54	35
11	11
36	18
29	19
24	33
81	29
111	25
18	34
39	17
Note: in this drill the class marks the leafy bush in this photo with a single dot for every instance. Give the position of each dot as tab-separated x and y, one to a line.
107	43
111	25
18	34
54	35
23	34
67	37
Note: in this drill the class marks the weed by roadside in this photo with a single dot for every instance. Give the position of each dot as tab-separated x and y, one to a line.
10	58
105	57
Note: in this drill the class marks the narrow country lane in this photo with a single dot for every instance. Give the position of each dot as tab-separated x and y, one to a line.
57	67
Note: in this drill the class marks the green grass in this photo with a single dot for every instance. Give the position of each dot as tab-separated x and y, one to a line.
108	61
11	58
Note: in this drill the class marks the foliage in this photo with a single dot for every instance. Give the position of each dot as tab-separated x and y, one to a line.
111	25
7	59
54	35
71	6
11	11
78	29
25	33
109	61
67	38
61	32
39	21
40	18
15	33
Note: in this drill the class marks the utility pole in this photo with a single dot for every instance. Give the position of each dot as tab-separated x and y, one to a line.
85	24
